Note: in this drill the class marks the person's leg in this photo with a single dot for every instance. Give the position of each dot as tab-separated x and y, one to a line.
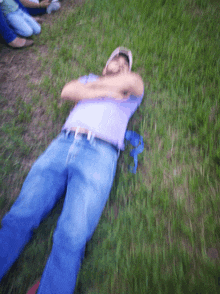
91	171
9	35
23	24
32	23
44	185
6	32
16	21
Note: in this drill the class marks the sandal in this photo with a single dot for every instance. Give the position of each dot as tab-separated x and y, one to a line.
34	288
21	43
28	43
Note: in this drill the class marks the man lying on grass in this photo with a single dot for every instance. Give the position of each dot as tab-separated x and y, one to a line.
80	162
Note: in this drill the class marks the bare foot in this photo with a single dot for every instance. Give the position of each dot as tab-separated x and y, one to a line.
20	43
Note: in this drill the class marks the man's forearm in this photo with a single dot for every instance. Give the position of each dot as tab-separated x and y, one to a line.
29	4
119	82
76	91
118	86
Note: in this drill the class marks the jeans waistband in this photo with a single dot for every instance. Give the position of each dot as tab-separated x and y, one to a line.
88	136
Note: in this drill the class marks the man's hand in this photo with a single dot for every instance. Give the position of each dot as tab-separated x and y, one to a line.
76	91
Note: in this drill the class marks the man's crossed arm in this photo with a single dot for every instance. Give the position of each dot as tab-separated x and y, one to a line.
118	86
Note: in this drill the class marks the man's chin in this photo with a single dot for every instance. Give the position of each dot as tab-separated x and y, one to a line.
111	73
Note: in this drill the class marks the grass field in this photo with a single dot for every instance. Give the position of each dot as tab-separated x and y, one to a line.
160	230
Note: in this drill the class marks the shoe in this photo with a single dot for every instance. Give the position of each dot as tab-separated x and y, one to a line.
28	43
21	43
34	288
54	6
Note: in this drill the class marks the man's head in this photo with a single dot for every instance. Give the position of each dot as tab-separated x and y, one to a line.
119	61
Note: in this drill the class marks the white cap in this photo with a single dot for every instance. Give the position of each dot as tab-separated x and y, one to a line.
121	50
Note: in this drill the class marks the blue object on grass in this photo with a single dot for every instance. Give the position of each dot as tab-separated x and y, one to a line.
134	139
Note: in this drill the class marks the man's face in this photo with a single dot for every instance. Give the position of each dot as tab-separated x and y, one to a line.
117	65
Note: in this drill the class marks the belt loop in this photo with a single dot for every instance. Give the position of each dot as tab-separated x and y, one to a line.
67	133
76	132
89	135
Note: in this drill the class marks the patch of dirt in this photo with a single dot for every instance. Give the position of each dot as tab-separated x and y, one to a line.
18	64
15	69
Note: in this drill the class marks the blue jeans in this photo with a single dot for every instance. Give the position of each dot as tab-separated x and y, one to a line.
6	32
85	169
23	24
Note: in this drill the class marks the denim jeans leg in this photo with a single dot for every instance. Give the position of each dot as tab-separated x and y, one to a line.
44	185
32	23
23	24
91	171
6	32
